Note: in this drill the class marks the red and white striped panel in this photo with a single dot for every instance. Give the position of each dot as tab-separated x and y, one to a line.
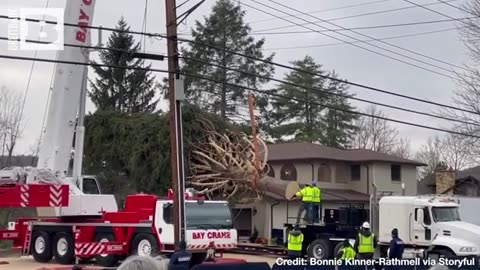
89	249
55	196
207	246
24	195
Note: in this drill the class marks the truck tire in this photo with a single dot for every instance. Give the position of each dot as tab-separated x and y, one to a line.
337	248
41	247
197	258
106	260
144	245
64	248
319	249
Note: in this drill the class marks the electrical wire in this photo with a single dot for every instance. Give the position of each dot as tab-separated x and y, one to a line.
269	93
325	10
363	86
381	41
29	81
459	8
328	92
358	46
341	43
354	16
431	10
360	28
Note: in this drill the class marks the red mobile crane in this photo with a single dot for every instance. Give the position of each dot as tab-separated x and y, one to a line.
69	226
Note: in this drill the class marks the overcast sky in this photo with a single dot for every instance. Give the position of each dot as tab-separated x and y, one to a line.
350	62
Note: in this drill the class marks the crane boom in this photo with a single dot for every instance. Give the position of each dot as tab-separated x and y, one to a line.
55	152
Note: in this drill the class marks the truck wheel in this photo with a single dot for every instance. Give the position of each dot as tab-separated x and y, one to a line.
337	248
319	249
106	260
63	248
144	245
197	258
41	247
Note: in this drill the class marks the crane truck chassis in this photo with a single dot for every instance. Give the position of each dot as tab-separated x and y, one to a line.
429	225
142	228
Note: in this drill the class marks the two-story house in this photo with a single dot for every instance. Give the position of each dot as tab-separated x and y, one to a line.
345	177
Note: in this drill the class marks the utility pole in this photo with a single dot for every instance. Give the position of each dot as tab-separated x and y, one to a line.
175	116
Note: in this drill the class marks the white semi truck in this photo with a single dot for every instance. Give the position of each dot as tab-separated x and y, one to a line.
428	225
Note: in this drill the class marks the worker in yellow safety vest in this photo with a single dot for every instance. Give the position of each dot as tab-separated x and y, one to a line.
295	243
365	243
307	194
316	205
346	252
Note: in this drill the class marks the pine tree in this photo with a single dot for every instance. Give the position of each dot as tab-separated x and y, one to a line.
296	113
339	121
226	29
308	115
125	90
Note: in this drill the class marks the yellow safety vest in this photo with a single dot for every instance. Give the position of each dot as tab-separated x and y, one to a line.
366	243
348	253
306	193
316	195
295	242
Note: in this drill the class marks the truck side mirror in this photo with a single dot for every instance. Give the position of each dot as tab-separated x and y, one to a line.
420	215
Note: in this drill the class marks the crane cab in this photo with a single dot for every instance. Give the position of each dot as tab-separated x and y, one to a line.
91	185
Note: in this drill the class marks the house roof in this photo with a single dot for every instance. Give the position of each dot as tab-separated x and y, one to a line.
334	195
428	184
470	172
309	151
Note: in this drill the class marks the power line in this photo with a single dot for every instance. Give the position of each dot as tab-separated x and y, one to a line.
342	43
371	88
459	8
431	10
325	10
381	41
327	92
280	81
353	44
361	27
240	87
353	16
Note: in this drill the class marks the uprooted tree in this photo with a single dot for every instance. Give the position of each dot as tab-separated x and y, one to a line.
131	153
222	164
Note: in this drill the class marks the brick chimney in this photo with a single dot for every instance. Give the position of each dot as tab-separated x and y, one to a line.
444	179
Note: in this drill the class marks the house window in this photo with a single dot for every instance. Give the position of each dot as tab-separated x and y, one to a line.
288	172
269	170
396	172
324	174
355	172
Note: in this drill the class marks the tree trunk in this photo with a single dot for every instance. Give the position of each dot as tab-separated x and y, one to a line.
277	187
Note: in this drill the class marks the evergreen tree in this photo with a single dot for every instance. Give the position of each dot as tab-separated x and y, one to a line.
226	29
297	114
340	123
121	89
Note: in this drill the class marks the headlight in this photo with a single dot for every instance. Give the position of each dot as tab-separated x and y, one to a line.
468	249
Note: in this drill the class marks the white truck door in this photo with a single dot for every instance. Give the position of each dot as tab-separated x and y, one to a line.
421	231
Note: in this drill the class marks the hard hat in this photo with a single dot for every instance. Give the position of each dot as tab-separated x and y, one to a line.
366	225
314	183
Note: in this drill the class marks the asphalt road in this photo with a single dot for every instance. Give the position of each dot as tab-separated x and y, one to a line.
29	264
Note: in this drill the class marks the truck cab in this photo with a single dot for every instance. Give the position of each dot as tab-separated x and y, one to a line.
207	223
427	223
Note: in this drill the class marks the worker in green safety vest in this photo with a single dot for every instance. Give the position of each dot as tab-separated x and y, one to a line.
316	205
295	243
365	243
307	194
346	252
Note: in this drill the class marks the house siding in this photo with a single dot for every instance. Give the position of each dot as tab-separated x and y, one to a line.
341	178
